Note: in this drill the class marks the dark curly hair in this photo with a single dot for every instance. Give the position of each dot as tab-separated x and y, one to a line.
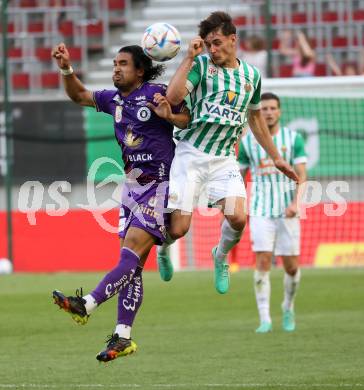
141	61
217	20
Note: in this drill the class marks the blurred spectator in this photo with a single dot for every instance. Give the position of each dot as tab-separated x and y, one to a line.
255	53
62	15
347	69
92	8
302	55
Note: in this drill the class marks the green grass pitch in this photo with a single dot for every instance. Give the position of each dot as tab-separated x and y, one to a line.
189	337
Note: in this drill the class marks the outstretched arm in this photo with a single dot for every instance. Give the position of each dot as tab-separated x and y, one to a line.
177	90
262	135
72	84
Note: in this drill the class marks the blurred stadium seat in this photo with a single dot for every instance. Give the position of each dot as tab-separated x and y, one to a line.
20	81
116	13
299	18
50	80
35	26
358	14
320	70
66	28
340	41
28	3
285	70
330	16
333	26
15	52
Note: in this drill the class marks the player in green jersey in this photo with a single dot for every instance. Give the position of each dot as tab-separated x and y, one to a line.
222	90
274	221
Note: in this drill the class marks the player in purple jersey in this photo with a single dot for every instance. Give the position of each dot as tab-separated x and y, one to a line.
143	126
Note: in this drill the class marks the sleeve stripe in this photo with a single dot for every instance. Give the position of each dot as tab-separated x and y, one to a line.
189	86
252	106
300	160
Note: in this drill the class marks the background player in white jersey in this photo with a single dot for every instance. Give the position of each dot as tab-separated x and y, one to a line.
274	220
222	89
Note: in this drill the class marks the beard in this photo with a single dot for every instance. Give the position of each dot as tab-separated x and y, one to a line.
273	124
118	85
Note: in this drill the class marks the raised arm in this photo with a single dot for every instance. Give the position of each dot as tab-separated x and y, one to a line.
307	51
72	84
361	62
260	130
177	90
333	65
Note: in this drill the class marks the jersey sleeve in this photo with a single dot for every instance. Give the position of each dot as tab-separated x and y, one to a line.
254	103
162	89
299	153
179	108
243	158
101	100
194	76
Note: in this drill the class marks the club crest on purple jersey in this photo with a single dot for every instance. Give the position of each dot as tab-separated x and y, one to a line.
131	140
144	114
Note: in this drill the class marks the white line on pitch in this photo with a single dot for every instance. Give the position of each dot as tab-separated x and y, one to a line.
187	385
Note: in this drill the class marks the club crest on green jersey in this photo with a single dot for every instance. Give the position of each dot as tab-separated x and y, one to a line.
248	87
212	70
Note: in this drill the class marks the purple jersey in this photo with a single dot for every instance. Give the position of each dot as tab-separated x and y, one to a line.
145	138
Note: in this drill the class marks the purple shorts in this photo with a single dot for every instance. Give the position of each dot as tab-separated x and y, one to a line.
145	207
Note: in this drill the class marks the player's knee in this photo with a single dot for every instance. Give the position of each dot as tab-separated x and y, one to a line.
177	232
263	263
131	241
291	269
237	222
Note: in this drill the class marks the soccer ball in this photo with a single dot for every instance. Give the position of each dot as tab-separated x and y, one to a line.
161	42
5	266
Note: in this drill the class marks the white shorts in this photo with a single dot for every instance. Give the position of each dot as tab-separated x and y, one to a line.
278	235
198	179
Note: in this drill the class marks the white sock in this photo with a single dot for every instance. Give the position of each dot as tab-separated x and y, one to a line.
123	331
290	284
229	238
90	304
262	295
163	249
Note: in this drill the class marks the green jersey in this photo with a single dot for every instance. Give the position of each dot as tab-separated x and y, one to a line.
219	98
271	191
